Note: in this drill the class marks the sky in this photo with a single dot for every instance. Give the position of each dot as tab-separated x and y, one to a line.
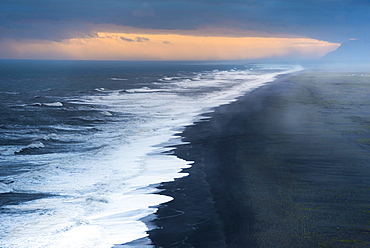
178	29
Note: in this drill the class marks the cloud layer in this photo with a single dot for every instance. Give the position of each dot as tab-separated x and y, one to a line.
124	46
330	20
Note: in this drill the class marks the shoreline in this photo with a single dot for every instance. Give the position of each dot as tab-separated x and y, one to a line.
283	166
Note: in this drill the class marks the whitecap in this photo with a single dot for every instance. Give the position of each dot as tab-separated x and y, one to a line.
107	113
36	144
118	79
36	104
9	92
5	188
71	128
53	104
51	136
33	145
145	90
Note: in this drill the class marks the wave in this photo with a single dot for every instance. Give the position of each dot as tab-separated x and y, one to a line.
144	90
73	128
51	136
36	104
106	113
5	188
118	79
33	146
53	104
101	196
100	89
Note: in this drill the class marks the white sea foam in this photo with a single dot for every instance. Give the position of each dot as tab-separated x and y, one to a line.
118	79
145	90
165	78
33	145
107	113
36	104
70	127
5	188
101	197
51	136
53	104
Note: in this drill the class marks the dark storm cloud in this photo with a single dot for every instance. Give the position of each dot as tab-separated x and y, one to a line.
127	39
141	39
137	39
333	20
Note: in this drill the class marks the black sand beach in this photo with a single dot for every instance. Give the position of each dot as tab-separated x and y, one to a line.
287	165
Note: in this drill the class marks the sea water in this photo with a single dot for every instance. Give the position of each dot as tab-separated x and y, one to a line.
83	144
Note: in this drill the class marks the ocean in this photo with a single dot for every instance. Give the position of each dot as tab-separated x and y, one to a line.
84	144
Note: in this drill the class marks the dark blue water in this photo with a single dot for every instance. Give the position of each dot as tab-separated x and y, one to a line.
81	142
35	96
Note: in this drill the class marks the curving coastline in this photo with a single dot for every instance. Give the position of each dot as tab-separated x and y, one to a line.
287	165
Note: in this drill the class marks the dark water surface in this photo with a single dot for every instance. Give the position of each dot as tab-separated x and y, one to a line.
84	143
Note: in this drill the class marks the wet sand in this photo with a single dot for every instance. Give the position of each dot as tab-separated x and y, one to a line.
287	165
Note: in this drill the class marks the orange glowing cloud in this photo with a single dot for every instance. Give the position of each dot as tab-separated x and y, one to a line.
138	46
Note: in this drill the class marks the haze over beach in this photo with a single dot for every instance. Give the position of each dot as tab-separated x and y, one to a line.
177	124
